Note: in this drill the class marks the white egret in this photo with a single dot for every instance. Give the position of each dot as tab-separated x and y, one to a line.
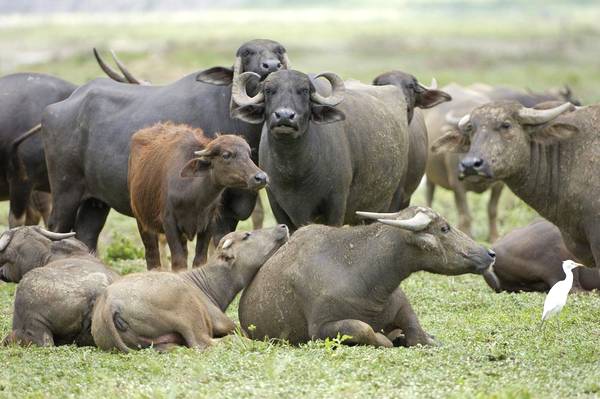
557	296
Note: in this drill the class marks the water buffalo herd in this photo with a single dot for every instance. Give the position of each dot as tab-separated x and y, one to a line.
339	159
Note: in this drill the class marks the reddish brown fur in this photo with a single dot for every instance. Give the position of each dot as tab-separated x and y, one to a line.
162	145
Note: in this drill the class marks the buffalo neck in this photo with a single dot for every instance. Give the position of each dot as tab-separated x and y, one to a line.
217	282
294	158
539	183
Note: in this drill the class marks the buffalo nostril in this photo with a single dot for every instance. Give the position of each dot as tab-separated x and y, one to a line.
265	65
260	177
478	163
277	115
491	253
292	115
282	226
279	65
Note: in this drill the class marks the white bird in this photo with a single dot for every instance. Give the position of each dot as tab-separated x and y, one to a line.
557	296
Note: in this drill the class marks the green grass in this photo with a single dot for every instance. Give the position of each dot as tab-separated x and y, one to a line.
491	343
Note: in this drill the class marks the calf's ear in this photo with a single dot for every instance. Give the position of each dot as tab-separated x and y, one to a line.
452	141
430	98
323	114
424	241
548	133
219	76
254	113
195	166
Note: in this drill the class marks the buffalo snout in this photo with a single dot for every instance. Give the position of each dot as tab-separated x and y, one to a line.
269	66
284	120
259	181
483	260
473	166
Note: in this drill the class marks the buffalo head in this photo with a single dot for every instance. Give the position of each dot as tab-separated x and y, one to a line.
287	101
497	137
417	95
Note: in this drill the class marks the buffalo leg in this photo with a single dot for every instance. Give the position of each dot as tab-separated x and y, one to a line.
406	319
430	192
496	190
177	245
258	215
151	251
202	242
64	209
19	195
42	203
90	221
336	210
360	333
464	216
280	215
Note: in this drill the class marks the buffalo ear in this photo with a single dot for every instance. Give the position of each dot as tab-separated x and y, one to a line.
254	113
195	166
431	98
548	133
424	241
452	141
323	114
219	76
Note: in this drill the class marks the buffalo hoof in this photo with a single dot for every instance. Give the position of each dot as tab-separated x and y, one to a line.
398	338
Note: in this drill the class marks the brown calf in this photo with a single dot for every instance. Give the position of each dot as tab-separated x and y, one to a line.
176	177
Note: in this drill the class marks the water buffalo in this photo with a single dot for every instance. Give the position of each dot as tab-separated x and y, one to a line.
417	96
328	156
526	98
345	280
53	304
530	259
23	97
88	166
26	248
161	309
547	157
176	178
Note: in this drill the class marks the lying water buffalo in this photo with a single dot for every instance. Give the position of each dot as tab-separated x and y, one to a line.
547	157
417	96
166	309
530	259
326	158
26	248
53	304
345	280
164	198
23	97
88	166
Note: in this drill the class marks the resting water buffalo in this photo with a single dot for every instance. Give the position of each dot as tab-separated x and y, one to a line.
165	309
345	280
26	248
87	137
53	304
325	160
417	96
530	259
23	97
547	157
176	178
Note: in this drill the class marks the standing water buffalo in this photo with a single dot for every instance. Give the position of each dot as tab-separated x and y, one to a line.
345	280
530	259
23	97
161	309
26	248
176	178
87	137
326	158
547	157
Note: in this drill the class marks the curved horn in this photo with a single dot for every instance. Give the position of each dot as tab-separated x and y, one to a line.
237	67
238	90
530	116
376	215
453	119
418	222
202	153
337	90
108	70
54	236
433	86
286	61
5	240
464	121
130	78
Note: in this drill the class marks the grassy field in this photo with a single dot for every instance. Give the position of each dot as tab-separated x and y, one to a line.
491	343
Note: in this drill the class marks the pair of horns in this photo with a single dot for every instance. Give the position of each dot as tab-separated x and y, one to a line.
416	223
8	235
241	97
114	75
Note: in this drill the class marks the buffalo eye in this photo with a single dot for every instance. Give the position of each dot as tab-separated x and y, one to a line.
268	91
303	92
411	86
246	236
468	128
279	50
505	125
445	229
247	53
226	155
